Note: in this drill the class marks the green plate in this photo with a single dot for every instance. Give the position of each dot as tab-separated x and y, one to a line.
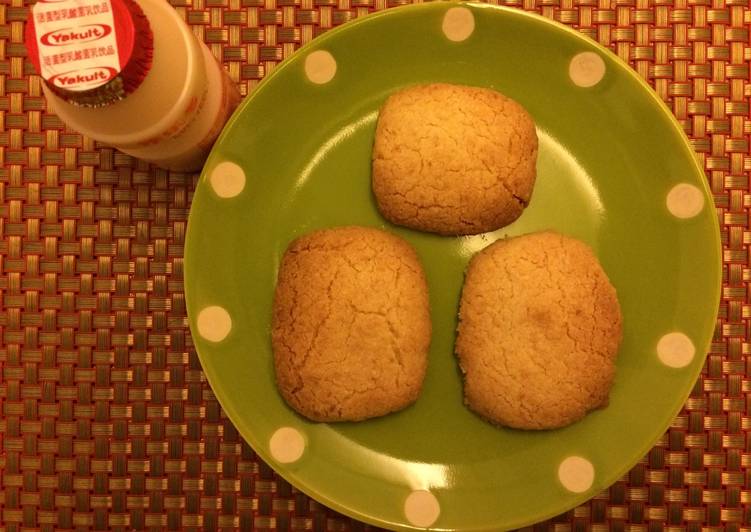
614	170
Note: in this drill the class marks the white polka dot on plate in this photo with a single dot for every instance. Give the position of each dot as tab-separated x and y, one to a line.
227	179
458	24
421	508
676	350
577	474
685	201
586	69
287	445
320	67
214	323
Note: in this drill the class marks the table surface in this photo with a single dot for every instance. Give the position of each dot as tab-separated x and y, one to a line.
107	420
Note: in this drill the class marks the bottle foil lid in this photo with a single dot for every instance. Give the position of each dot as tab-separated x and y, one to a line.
90	52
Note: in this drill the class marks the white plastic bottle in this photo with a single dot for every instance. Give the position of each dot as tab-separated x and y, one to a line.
129	73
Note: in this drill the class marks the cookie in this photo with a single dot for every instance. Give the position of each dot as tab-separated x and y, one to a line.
539	331
351	324
452	159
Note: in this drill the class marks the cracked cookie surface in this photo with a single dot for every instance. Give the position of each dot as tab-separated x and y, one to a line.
452	159
539	331
351	324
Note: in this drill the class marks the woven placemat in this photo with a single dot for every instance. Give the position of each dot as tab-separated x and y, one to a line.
107	421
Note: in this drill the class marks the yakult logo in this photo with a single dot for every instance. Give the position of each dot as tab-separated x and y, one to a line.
77	42
82	34
84	77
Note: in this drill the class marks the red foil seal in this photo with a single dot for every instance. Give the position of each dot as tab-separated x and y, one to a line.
90	52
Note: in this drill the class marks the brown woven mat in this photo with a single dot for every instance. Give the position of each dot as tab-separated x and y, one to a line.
107	421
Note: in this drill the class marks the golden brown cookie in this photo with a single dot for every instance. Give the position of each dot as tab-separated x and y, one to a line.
539	331
452	159
351	324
